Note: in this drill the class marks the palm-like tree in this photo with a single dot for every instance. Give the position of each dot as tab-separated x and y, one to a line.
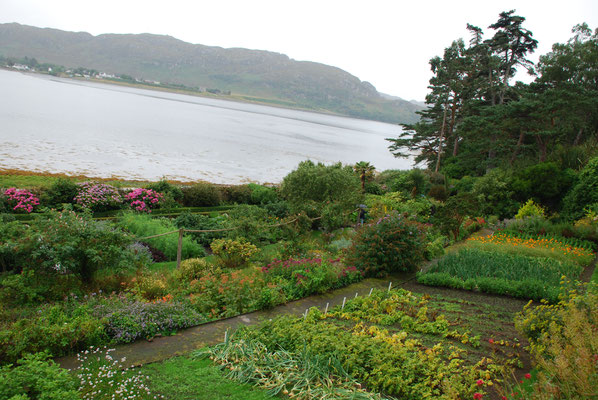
365	171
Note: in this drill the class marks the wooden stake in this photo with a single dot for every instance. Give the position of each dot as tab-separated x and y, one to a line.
343	306
371	290
326	310
179	250
389	286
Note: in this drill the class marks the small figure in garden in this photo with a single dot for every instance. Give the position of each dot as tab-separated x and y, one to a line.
362	213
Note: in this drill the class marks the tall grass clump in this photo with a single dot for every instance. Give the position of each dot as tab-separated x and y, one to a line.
144	225
501	273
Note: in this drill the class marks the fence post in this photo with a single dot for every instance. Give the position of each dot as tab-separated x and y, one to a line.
179	250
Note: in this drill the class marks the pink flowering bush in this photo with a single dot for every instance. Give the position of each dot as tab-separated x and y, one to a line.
144	200
22	199
98	196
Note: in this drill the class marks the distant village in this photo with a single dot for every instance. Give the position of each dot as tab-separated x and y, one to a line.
27	64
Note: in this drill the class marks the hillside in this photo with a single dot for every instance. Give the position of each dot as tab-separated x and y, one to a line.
253	73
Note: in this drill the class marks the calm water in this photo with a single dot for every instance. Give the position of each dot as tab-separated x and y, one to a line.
61	125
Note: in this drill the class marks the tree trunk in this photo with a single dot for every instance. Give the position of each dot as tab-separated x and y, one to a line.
578	137
542	148
519	143
440	139
452	129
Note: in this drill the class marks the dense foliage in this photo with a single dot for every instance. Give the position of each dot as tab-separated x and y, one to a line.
390	244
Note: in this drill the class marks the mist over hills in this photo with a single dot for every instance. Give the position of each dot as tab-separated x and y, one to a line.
256	74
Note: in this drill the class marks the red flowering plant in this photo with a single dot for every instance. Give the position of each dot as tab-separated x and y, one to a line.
22	200
144	200
302	277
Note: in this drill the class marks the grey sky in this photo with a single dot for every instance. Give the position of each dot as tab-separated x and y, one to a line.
387	43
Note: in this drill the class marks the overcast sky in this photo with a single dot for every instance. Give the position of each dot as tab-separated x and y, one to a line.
387	43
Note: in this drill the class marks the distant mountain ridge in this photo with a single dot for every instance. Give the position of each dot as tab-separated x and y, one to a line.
254	73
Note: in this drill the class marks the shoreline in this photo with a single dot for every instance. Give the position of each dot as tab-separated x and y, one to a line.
233	98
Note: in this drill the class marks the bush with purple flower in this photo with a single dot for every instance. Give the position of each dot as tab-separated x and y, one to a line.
98	196
22	200
144	200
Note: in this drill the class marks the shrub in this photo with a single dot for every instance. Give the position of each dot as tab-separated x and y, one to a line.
438	192
62	191
320	183
233	253
391	244
128	319
414	182
544	182
143	225
262	194
195	268
236	194
530	209
70	243
56	328
279	209
167	188
451	216
585	191
144	200
21	200
564	344
201	222
151	287
301	277
36	377
495	194
98	196
201	195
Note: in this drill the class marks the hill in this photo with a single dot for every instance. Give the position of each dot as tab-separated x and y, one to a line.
252	73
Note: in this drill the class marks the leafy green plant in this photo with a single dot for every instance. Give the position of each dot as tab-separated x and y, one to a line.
530	209
585	191
320	183
201	195
144	225
35	377
201	222
71	243
62	191
563	343
262	194
233	253
56	328
391	244
302	375
195	268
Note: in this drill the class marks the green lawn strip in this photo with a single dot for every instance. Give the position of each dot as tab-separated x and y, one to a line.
184	378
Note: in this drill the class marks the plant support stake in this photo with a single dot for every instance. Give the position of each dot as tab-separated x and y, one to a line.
371	290
389	286
343	306
326	310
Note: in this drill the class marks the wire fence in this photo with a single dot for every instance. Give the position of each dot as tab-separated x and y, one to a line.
182	232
